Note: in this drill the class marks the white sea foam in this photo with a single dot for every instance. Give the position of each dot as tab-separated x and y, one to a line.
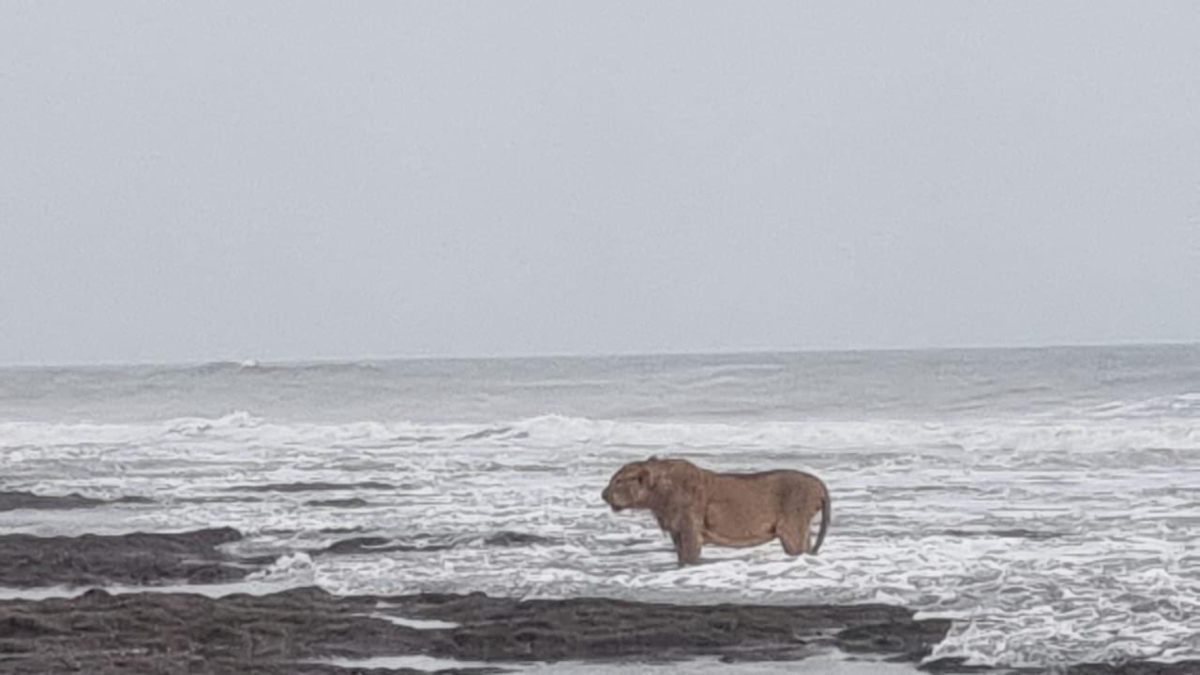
1039	536
22	440
419	624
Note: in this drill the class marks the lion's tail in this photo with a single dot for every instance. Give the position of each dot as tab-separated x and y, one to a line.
825	513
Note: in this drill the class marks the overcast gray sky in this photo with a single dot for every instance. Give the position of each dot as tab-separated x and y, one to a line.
282	180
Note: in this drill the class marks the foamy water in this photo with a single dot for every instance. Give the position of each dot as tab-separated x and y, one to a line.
1050	534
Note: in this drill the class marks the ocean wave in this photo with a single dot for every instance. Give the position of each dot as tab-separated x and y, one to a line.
1152	440
1037	537
1176	406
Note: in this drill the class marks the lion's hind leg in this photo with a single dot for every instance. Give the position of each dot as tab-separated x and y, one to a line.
793	532
793	526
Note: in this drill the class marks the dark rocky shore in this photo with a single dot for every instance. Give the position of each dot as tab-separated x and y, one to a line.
28	561
290	632
12	500
170	632
144	558
101	633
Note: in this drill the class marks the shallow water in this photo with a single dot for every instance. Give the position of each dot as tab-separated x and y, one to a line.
1046	500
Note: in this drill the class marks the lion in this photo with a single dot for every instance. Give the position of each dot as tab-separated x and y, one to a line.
697	507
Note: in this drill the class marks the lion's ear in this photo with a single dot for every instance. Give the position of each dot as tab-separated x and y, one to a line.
648	477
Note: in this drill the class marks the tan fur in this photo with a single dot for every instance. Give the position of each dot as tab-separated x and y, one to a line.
696	506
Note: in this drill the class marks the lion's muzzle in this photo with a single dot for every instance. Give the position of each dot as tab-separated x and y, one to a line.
607	496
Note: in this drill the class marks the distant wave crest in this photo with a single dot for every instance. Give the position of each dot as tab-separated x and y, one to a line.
1147	440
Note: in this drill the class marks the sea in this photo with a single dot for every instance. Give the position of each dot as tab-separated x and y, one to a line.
1045	500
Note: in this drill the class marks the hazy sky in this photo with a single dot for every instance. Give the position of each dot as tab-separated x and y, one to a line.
281	180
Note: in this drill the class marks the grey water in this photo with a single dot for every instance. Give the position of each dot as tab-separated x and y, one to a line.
722	387
1044	500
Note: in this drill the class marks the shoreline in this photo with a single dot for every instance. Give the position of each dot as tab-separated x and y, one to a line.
145	632
157	615
312	632
156	600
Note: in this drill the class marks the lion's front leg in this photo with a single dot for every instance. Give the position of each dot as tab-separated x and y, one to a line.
688	541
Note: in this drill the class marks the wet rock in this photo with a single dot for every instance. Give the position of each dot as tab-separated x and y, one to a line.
354	529
908	639
356	545
549	630
10	501
138	558
284	632
425	543
507	538
312	487
240	499
353	503
955	666
1011	533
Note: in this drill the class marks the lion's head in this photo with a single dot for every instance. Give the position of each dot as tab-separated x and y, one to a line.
630	487
661	485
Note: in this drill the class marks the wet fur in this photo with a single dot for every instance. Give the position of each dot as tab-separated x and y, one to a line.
697	507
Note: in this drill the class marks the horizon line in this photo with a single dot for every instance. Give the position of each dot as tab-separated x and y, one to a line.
330	360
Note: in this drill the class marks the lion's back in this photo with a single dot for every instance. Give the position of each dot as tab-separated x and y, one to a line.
769	490
782	479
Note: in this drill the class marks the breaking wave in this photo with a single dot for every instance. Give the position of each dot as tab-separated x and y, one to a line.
1042	537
